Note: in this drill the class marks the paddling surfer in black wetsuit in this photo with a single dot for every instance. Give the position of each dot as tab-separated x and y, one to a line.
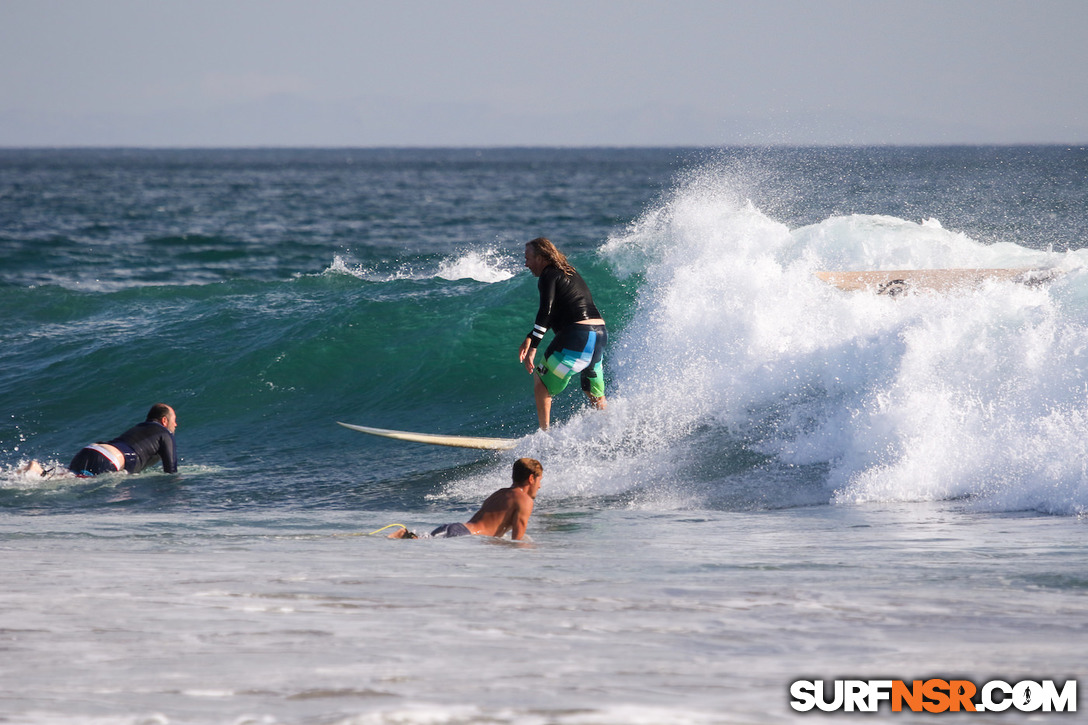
566	306
134	450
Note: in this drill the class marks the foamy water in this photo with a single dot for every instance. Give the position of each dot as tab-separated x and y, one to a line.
489	265
978	393
608	617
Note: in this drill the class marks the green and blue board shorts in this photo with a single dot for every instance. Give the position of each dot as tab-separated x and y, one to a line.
577	349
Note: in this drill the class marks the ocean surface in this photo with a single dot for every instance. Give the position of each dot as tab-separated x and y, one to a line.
790	482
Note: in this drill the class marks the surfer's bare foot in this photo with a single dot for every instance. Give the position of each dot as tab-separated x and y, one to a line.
31	469
402	534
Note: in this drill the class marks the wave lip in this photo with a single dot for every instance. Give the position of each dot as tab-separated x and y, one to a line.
488	266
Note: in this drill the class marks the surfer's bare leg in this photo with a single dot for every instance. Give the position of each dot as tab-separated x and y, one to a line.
597	402
543	403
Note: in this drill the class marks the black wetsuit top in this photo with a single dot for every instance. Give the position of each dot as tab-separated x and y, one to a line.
144	444
563	301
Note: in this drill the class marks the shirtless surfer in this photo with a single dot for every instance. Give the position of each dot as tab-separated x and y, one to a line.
508	509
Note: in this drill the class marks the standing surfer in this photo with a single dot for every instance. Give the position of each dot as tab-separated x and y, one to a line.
566	306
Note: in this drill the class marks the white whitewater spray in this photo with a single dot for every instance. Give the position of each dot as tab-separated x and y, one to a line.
488	265
743	380
980	393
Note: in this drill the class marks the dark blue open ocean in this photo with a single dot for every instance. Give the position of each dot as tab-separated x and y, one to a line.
791	481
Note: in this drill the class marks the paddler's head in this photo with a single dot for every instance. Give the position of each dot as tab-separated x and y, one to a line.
528	473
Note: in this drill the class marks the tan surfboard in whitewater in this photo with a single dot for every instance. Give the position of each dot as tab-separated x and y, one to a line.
898	281
493	444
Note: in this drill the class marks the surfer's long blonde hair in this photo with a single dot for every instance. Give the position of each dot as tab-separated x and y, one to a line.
544	248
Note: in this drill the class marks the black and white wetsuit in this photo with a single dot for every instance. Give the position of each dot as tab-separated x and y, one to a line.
564	300
142	445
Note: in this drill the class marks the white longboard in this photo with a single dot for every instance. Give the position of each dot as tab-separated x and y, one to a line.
492	444
897	281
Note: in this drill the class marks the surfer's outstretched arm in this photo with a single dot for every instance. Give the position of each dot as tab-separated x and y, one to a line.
526	355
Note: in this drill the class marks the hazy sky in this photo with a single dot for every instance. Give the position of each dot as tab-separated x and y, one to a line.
547	72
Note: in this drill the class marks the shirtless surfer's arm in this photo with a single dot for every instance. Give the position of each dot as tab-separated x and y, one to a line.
521	516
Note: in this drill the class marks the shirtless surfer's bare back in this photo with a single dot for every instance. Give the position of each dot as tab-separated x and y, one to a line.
508	509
